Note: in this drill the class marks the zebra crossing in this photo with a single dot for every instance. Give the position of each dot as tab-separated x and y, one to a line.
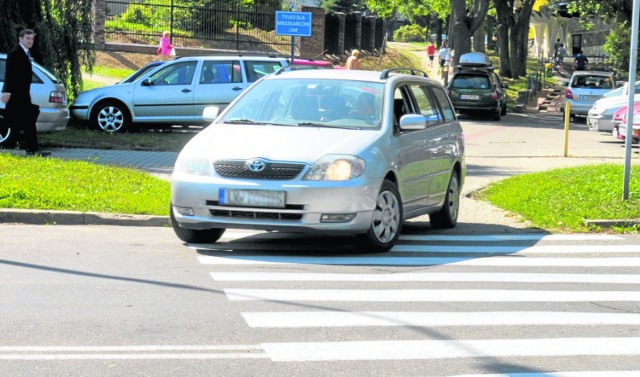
546	298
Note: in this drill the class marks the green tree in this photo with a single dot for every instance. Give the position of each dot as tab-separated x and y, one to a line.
64	30
617	46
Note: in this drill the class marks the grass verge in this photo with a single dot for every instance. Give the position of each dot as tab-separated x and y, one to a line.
78	137
37	183
562	199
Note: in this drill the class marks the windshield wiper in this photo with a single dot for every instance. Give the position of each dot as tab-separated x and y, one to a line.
244	121
312	124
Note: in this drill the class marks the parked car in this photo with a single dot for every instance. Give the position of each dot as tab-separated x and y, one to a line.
476	87
174	93
620	124
600	115
584	89
47	92
342	152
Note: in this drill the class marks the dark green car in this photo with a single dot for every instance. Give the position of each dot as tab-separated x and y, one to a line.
478	89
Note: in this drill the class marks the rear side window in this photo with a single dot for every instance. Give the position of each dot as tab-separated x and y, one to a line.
34	78
220	72
471	82
258	69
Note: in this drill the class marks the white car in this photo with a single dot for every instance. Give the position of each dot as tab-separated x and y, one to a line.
332	151
47	92
601	114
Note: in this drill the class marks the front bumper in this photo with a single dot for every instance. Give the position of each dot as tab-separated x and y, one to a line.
579	108
80	111
306	202
599	122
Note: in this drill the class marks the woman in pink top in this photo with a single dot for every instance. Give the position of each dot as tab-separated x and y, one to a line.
165	47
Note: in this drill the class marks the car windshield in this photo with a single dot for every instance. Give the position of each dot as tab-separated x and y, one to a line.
592	81
310	103
470	82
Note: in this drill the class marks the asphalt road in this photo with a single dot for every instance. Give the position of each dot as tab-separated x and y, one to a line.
116	301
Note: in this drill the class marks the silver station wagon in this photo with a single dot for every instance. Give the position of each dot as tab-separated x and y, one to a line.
338	152
175	92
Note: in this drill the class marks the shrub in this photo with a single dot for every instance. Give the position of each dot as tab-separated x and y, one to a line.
139	14
410	33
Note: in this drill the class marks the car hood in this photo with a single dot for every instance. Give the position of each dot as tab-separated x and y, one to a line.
612	103
281	143
90	94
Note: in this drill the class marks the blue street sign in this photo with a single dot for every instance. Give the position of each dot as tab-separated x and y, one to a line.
296	24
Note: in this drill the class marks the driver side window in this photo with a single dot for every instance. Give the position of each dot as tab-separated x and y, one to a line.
175	74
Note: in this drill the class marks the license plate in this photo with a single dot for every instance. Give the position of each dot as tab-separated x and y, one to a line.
252	198
591	98
470	96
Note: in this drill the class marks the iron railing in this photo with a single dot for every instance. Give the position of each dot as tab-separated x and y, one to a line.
223	25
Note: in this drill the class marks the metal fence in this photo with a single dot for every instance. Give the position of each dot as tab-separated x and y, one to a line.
222	25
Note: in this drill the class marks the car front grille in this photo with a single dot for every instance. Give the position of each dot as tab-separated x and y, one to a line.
272	171
255	215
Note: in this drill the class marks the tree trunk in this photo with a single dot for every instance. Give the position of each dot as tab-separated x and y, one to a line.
479	38
504	18
465	23
519	39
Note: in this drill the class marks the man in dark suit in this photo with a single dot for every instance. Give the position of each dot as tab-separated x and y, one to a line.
20	113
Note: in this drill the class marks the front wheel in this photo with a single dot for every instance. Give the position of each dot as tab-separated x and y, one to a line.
447	217
195	236
111	116
386	220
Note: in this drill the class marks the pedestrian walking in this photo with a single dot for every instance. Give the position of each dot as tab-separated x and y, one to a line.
431	53
20	113
581	62
443	55
353	62
556	46
560	55
165	50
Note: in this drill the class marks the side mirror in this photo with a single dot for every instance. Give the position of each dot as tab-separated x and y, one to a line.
565	83
210	113
413	122
147	82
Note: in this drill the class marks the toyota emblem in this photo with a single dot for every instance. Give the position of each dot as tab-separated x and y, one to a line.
256	165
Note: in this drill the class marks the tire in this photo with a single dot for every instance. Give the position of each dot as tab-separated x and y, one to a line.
504	109
7	134
386	221
496	114
447	217
111	116
195	236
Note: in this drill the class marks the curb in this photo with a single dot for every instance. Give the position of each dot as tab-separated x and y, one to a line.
612	223
49	217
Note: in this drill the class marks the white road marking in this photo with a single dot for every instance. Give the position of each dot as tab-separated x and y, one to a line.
510	261
431	276
178	352
449	349
510	237
604	373
433	319
520	250
428	295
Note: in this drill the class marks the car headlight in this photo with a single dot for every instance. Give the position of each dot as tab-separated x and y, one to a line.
336	168
194	165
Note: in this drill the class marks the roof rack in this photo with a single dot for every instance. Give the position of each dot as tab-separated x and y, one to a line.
414	72
462	67
300	67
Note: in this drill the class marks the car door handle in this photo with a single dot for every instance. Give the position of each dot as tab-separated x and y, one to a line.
186	90
237	88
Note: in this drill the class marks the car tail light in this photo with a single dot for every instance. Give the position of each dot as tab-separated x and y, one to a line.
57	97
568	94
494	95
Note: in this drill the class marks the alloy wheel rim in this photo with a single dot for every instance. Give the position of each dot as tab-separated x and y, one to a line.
110	119
386	217
453	198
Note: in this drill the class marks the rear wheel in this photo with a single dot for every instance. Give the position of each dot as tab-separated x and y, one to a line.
497	113
447	217
111	116
7	134
195	236
504	109
386	221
